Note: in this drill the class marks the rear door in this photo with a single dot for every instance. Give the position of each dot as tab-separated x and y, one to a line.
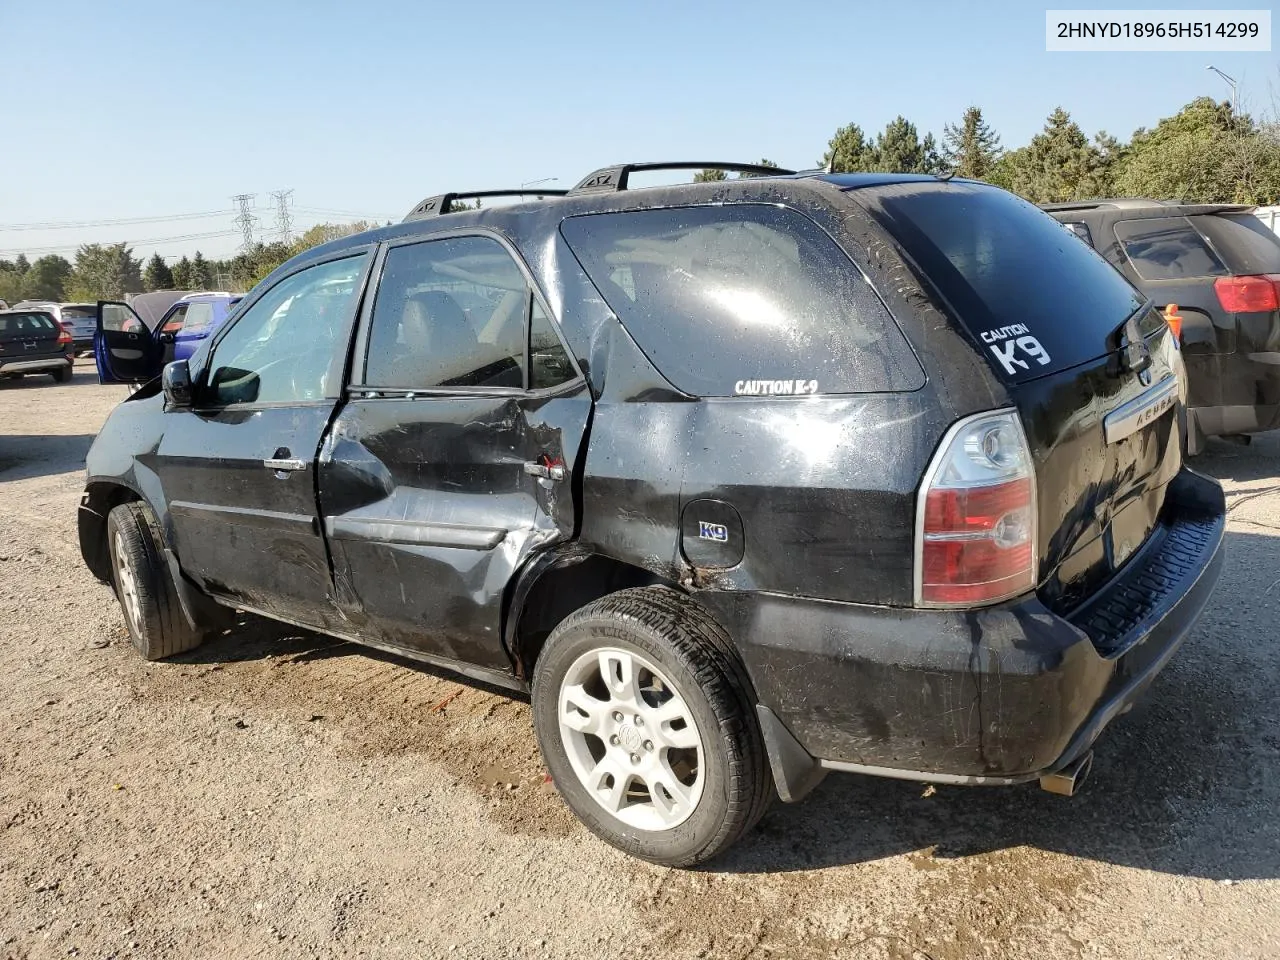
126	351
239	468
1089	364
452	460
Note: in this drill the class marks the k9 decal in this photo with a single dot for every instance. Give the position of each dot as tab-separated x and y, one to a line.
1011	344
713	531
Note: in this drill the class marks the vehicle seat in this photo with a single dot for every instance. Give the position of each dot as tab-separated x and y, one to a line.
438	352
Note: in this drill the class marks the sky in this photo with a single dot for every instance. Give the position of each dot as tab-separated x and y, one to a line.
138	109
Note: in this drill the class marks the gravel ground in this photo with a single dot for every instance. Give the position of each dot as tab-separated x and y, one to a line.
280	794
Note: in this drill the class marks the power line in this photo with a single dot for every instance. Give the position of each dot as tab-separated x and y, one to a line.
132	243
245	220
284	222
113	222
326	212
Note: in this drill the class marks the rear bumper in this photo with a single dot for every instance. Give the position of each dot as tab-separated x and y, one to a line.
38	365
996	695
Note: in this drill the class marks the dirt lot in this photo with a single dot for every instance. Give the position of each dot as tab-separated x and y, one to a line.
279	794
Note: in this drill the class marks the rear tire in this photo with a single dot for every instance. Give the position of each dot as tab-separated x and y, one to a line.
152	612
62	374
692	773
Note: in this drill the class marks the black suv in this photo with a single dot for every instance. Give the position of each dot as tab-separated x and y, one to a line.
744	481
1217	267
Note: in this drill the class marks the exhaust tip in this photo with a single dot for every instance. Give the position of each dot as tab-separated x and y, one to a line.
1067	781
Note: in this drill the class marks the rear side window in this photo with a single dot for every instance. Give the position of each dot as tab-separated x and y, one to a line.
744	299
1167	248
198	317
1243	241
1037	299
449	313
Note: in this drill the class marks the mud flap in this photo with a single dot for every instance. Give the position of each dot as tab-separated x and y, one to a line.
795	772
196	607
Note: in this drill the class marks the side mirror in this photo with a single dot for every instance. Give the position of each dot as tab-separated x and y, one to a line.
176	381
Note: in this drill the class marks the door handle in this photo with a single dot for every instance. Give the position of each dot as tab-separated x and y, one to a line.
554	471
284	464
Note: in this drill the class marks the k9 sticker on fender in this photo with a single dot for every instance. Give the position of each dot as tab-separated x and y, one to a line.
774	388
1010	344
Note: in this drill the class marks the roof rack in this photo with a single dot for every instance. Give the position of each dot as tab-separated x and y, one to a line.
442	203
612	179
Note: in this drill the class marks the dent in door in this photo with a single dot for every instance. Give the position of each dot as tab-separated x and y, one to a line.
430	511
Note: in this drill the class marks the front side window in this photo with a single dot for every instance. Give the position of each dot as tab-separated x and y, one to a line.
448	313
175	321
283	348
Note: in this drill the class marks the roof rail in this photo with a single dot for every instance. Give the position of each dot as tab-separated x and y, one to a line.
442	203
612	179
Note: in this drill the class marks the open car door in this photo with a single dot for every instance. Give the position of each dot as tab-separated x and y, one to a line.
125	349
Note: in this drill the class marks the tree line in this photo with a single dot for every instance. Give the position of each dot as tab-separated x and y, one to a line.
110	271
1205	153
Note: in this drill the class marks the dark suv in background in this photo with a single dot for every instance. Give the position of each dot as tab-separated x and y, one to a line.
1220	266
744	482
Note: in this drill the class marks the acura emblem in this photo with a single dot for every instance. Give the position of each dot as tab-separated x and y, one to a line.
1144	376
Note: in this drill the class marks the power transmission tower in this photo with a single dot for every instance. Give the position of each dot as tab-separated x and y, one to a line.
245	220
284	221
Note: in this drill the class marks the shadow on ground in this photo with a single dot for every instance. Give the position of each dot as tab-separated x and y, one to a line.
26	456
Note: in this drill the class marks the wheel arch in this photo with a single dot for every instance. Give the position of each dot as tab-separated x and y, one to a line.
554	585
100	497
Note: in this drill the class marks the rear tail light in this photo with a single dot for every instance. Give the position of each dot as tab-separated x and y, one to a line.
1250	294
976	516
64	338
1174	319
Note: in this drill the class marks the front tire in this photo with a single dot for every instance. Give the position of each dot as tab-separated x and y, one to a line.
647	724
152	612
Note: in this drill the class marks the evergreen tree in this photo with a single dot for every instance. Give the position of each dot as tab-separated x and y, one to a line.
848	151
21	265
763	163
1059	164
200	277
709	176
182	274
157	276
972	148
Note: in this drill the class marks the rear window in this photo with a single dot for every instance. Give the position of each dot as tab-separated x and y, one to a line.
80	313
744	299
1167	248
26	324
1033	295
1243	241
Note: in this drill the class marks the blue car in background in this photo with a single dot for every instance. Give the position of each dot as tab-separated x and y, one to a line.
128	349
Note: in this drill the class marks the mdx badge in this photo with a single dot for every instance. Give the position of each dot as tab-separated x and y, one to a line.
713	531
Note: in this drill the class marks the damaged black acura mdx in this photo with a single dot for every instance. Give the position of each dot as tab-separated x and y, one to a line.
744	481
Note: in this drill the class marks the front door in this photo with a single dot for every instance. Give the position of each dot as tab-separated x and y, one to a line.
125	350
451	461
239	468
